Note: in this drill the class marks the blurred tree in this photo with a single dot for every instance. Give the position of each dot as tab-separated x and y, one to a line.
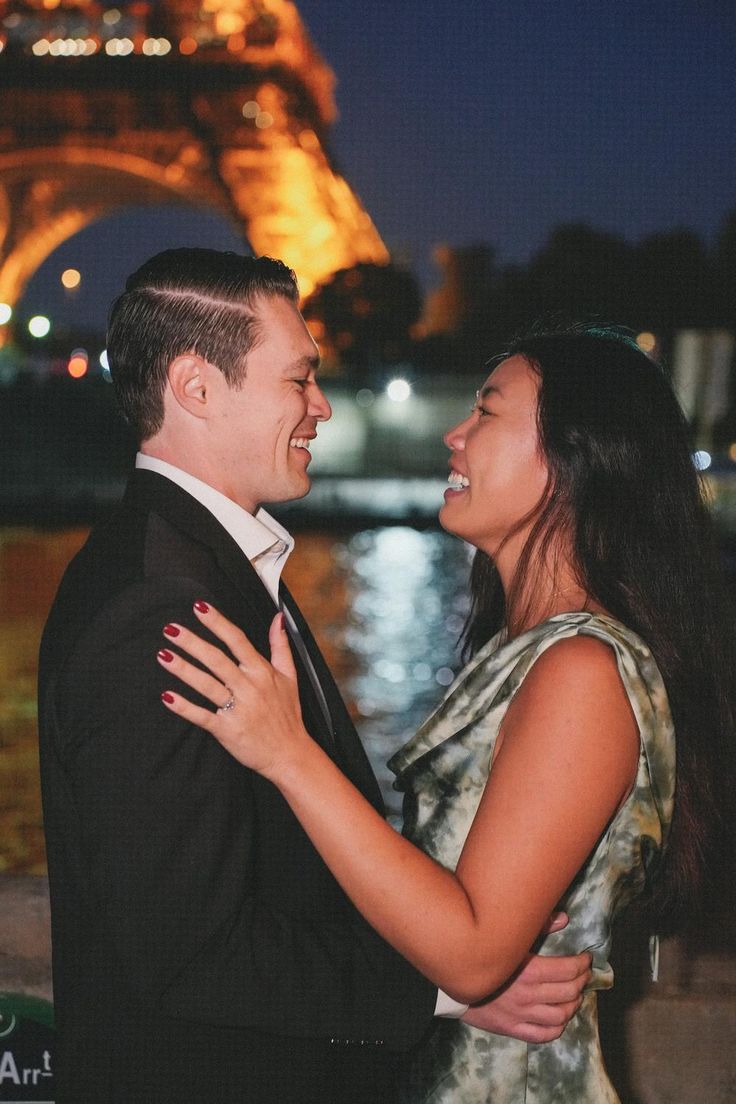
457	325
674	283
580	272
368	315
365	315
460	304
725	273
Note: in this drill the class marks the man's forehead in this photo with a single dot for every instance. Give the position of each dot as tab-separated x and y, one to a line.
279	329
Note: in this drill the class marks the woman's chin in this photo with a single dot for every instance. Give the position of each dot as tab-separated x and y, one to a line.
447	517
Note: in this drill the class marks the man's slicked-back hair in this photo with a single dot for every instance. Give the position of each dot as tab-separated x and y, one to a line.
186	301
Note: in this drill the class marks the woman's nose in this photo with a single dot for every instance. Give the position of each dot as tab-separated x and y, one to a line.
455	437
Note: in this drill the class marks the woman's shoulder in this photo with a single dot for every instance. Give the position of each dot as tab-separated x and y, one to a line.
577	655
588	639
597	658
584	623
573	680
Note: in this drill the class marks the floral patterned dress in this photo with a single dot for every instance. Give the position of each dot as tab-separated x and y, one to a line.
443	771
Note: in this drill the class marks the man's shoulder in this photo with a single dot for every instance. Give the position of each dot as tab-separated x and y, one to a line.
132	562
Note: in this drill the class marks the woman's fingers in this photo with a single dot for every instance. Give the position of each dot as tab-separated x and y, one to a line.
281	656
556	922
258	716
209	655
236	640
211	688
202	718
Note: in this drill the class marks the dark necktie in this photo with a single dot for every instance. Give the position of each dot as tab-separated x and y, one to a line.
296	640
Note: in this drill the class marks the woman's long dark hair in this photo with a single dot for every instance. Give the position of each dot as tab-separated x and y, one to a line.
623	485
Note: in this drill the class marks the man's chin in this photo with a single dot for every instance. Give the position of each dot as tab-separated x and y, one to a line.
296	490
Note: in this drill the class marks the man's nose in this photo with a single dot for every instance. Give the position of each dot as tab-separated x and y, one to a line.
319	407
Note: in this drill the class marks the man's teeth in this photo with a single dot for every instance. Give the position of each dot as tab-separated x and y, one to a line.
300	442
455	479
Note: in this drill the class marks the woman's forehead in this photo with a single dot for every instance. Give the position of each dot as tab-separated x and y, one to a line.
513	377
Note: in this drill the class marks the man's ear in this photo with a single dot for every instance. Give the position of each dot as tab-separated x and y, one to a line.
190	380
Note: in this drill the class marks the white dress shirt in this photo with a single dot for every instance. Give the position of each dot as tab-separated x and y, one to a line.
259	536
267	545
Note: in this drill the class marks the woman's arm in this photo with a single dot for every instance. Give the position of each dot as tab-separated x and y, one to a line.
568	755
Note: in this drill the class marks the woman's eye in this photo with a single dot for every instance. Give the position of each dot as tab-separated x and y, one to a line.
476	408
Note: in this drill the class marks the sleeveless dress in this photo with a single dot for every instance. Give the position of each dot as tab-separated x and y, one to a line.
443	771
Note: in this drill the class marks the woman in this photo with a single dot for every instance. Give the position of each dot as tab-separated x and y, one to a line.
547	776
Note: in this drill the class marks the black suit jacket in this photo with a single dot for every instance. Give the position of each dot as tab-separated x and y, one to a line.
201	949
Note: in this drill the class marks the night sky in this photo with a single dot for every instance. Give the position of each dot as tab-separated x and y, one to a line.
466	121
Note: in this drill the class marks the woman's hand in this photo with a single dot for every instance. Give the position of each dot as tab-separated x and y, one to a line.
258	717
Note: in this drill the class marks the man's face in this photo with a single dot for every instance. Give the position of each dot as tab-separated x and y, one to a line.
261	432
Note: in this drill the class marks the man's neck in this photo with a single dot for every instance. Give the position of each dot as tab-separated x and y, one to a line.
192	465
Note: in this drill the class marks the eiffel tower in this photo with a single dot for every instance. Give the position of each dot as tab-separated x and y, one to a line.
224	104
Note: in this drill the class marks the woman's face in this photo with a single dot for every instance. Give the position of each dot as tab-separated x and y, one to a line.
497	472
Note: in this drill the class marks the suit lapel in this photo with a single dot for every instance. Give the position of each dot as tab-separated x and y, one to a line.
349	751
149	491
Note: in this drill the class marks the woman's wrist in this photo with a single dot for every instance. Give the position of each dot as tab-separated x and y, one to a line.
292	771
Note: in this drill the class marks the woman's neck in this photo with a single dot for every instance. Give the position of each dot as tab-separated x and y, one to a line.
547	588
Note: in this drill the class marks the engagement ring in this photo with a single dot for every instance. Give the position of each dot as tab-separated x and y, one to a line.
229	704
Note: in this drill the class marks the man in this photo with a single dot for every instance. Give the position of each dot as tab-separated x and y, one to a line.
202	951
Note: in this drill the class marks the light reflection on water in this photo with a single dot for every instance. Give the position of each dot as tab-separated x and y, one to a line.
406	612
387	606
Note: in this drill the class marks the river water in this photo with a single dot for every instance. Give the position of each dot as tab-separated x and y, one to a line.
387	605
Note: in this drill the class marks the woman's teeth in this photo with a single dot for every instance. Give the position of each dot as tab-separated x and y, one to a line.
299	442
458	481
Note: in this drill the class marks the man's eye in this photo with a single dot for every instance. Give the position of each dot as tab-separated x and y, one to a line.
301	382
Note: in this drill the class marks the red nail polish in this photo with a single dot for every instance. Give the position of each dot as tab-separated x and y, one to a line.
201	607
171	630
167	697
166	655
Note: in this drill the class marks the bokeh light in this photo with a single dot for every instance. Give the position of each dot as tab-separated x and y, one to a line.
398	390
646	341
78	364
39	325
71	278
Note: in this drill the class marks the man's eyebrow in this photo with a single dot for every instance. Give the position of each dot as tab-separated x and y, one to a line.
304	364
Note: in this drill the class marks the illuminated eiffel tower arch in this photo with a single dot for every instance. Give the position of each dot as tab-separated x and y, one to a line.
220	103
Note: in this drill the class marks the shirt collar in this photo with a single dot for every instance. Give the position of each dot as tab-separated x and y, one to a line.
253	533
